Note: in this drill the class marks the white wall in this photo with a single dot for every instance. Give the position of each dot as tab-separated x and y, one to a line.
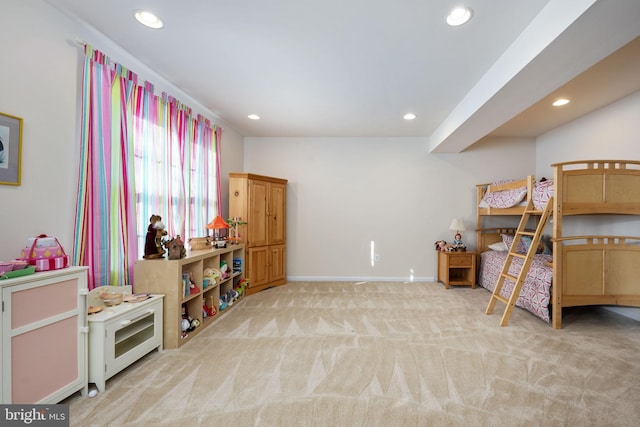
344	193
41	78
608	133
611	132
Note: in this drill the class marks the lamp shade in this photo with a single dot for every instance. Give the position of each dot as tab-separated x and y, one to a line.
217	223
457	225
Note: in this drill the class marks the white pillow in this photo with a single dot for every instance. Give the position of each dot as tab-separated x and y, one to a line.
499	247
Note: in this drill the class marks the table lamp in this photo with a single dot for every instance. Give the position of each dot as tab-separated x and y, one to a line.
457	225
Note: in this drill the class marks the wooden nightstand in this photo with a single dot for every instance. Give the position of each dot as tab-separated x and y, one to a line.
457	268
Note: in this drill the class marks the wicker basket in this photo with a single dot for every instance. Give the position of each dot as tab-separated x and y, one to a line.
199	243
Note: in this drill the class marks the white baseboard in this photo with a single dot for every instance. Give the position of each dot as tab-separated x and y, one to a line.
358	279
630	312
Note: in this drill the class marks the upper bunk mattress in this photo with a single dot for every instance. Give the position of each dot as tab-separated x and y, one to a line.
542	192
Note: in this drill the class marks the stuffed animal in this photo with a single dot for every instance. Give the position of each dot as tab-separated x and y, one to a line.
241	286
153	247
443	246
187	323
224	269
193	289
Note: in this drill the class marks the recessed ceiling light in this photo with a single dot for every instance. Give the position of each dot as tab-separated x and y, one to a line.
409	116
459	16
148	19
254	117
559	102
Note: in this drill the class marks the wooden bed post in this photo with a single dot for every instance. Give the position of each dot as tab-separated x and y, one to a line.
556	286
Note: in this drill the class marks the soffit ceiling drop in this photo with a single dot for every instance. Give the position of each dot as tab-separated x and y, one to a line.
354	69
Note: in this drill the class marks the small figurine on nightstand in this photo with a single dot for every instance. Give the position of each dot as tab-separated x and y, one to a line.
457	243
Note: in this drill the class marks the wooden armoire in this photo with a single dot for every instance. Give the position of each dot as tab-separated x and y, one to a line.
260	201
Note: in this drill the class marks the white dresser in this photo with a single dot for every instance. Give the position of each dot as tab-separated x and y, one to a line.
122	334
44	336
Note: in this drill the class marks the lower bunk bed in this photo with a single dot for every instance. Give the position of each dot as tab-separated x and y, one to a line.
536	292
595	270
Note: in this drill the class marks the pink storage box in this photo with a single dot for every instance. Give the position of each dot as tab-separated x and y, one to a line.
45	258
16	264
56	263
42	242
38	253
5	267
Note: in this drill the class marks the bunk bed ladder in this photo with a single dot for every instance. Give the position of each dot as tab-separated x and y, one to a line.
528	258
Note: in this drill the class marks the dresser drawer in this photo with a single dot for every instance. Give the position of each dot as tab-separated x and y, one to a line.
460	260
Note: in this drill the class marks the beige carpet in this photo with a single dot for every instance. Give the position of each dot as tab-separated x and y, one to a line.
381	354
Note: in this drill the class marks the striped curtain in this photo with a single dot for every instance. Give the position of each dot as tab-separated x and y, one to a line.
176	164
141	154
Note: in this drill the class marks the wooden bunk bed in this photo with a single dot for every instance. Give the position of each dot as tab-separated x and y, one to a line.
595	269
509	199
582	270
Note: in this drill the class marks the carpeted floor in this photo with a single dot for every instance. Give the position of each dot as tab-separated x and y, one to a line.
381	354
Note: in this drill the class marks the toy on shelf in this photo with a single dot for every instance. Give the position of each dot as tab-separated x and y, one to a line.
237	265
193	289
241	286
216	225
189	284
209	310
211	277
188	323
224	268
176	248
153	244
200	243
229	297
234	232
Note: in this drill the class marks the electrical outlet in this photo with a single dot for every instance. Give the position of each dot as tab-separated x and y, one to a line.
376	257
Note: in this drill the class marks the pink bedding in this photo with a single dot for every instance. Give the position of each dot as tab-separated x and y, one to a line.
536	290
504	199
542	191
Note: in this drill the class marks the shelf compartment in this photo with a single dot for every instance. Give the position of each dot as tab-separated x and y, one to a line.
134	326
132	342
165	277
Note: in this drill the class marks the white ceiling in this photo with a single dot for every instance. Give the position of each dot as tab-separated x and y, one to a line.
353	68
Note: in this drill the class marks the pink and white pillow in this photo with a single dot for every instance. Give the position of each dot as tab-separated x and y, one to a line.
525	242
542	192
506	198
523	245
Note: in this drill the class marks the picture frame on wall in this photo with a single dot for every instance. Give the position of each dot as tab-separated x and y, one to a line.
10	149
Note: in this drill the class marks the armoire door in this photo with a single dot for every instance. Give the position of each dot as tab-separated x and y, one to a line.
258	266
277	214
277	263
257	220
